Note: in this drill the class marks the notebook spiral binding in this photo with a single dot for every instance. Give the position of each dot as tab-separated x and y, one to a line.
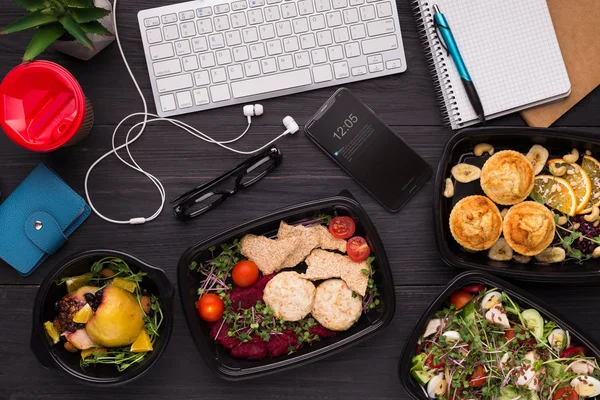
434	53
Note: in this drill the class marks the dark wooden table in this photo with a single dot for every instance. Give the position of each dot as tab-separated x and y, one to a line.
407	102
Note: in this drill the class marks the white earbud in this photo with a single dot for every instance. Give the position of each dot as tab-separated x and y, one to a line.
291	125
253	110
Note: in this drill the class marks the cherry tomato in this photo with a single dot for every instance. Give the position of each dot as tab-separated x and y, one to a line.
342	227
460	298
245	273
474	288
358	249
566	393
429	363
210	307
510	334
573	352
478	378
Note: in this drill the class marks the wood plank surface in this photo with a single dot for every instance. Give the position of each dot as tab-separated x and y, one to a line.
407	102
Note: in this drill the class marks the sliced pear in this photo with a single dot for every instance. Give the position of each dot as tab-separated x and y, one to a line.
465	173
538	155
80	339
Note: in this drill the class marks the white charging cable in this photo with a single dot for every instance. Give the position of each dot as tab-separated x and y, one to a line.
249	111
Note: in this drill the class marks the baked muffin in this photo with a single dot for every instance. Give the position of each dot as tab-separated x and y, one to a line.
475	223
507	177
529	228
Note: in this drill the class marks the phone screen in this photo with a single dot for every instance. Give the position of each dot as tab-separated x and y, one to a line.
349	132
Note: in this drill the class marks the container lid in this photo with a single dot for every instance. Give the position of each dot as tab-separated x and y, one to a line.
41	105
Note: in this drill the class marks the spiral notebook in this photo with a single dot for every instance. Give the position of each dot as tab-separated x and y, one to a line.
511	52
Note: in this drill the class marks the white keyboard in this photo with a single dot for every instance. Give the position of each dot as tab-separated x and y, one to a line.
206	54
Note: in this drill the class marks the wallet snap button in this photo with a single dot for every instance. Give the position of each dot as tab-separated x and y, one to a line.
37	225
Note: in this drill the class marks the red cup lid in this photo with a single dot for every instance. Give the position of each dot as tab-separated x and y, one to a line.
41	105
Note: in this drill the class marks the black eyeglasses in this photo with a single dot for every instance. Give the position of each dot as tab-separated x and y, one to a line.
211	194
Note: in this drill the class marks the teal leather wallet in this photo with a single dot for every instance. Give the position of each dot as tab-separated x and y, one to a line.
37	218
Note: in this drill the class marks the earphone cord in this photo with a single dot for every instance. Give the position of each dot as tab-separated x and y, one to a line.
155	118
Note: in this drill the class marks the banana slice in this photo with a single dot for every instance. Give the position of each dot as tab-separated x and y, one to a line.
552	255
538	155
500	251
465	173
521	259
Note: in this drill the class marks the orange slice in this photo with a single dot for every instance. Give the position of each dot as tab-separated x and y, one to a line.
579	181
142	344
94	350
52	331
83	315
592	167
125	284
556	193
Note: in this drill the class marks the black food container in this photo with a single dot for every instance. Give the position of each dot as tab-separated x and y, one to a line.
56	357
460	149
520	296
231	368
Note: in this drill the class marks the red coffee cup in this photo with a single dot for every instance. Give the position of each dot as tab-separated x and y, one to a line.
43	108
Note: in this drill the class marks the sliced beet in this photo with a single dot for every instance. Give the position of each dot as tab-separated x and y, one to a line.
252	350
321	331
279	344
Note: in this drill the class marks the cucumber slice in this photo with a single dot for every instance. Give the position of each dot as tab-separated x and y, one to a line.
468	314
422	377
418	362
534	322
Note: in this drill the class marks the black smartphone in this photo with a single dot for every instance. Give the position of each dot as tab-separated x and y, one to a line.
368	150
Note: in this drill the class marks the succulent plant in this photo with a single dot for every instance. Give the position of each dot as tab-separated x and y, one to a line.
53	19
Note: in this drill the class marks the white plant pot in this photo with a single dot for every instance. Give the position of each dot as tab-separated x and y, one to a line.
77	50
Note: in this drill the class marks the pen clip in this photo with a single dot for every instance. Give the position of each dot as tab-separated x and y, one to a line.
440	38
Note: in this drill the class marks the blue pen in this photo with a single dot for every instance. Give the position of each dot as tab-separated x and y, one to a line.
448	38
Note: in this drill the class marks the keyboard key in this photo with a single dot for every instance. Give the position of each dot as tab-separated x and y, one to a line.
255	17
341	70
335	53
274	1
190	63
221	23
252	68
207	60
300	25
307	41
235	71
221	8
257	50
154	35
383	43
375	67
361	70
173	83
168	67
284	28
350	15
272	13
285	62
201	78
317	22
257	3
319	56
341	34
381	27
376	59
187	29
167	103
352	49
199	44
184	99
393	64
334	18
340	4
288	10
302	59
218	75
239	5
322	73
268	65
324	38
274	47
305	7
216	41
204	12
290	44
220	93
238	20
161	51
186	15
204	25
169	18
358	32
171	32
150	22
367	12
250	35
201	96
240	53
267	31
271	83
356	2
182	47
223	56
384	9
322	5
233	38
